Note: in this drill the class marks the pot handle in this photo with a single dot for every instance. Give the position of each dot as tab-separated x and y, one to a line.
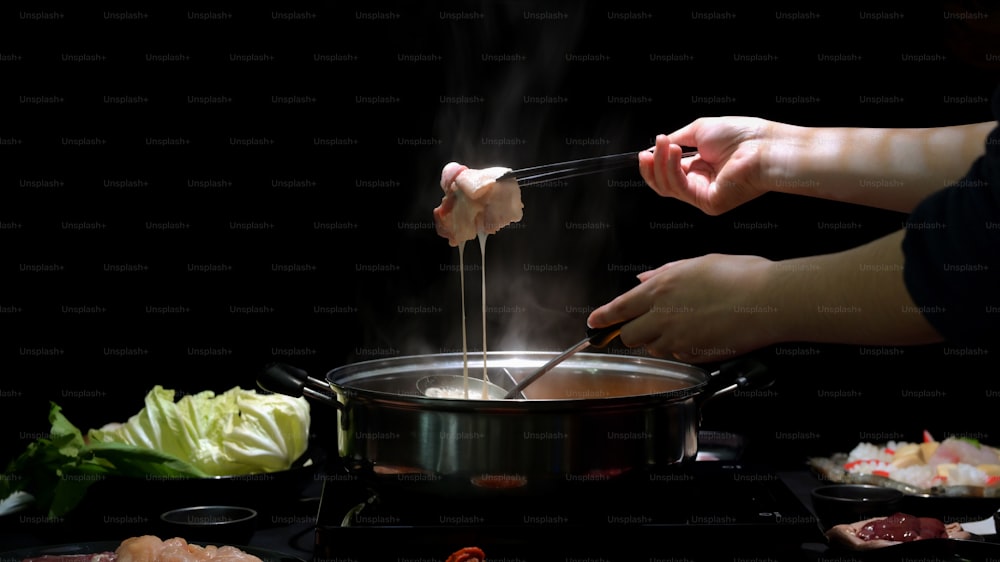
281	378
738	374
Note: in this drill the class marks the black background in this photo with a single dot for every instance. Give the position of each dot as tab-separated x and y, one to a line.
123	302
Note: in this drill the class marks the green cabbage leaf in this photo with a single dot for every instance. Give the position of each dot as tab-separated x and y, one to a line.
201	435
233	433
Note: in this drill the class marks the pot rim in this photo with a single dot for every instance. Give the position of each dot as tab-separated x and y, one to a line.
340	378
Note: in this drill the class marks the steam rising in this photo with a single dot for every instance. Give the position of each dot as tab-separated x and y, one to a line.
502	61
542	278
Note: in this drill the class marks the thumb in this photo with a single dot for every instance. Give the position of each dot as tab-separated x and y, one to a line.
685	136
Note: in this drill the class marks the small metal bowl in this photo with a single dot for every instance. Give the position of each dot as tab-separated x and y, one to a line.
212	524
849	503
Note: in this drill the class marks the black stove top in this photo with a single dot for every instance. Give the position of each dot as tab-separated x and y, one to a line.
672	514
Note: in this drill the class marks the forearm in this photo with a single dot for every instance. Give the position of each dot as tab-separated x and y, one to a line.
855	297
887	168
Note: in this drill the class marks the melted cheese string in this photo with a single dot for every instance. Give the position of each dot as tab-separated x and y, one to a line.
482	250
465	347
465	339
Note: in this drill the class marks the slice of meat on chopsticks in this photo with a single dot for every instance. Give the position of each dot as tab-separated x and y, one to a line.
475	202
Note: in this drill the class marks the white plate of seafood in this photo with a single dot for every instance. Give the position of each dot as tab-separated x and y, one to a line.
955	466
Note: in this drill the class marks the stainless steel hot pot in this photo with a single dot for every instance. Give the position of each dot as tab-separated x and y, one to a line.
595	417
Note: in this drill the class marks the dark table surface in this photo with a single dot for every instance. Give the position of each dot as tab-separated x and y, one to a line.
292	532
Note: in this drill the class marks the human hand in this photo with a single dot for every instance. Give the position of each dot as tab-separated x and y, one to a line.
695	310
727	170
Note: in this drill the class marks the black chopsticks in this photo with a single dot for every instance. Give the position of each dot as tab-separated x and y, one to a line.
573	168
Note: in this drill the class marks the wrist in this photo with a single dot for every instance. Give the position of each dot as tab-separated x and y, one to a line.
765	282
788	159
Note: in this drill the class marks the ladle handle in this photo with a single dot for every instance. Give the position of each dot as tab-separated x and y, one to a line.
596	337
600	337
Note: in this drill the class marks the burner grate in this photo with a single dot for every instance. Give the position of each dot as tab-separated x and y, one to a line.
708	502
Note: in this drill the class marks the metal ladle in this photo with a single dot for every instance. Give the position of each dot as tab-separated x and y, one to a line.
453	386
596	337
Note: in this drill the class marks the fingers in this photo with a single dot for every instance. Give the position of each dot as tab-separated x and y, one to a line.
624	307
661	160
646	170
663	334
644	327
658	336
649	274
668	170
674	172
663	169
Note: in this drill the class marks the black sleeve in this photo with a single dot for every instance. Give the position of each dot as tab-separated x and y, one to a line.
952	252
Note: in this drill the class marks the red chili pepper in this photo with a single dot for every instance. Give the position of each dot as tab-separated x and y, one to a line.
881	473
927	437
467	554
890	451
992	480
